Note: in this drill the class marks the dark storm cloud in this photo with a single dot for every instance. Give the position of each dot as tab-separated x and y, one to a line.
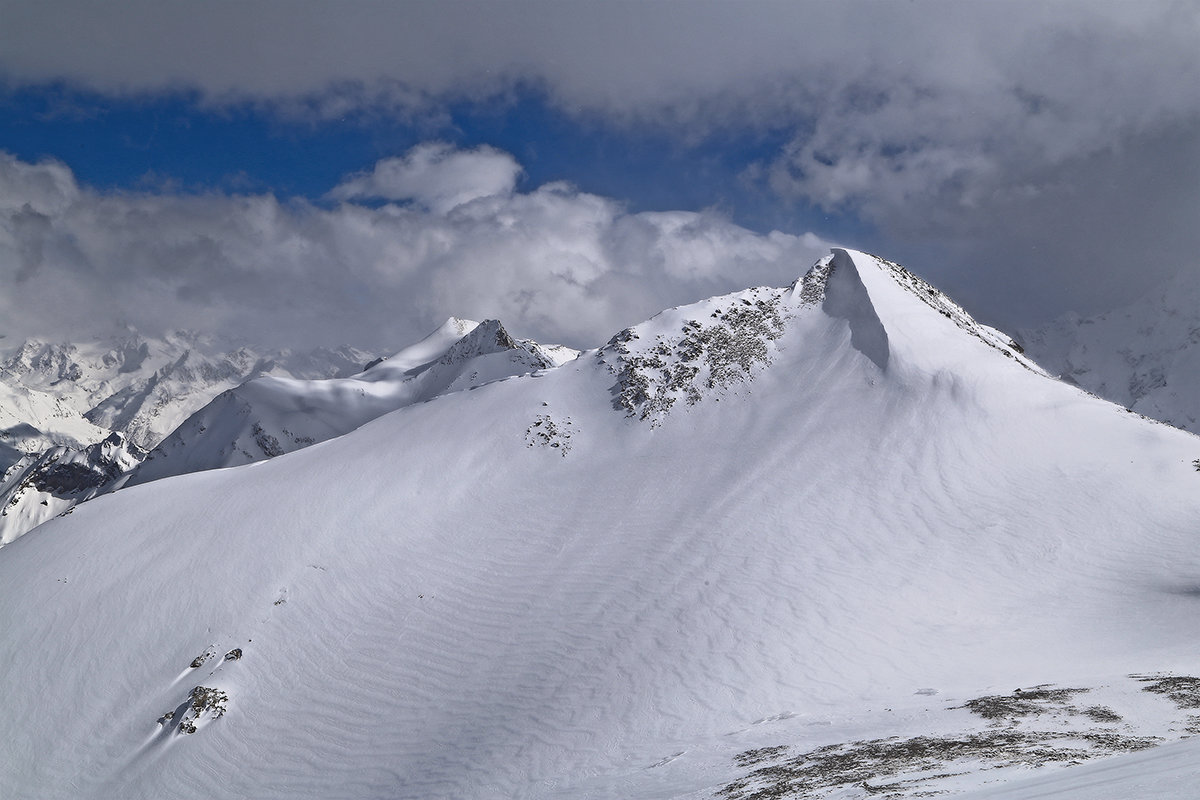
981	136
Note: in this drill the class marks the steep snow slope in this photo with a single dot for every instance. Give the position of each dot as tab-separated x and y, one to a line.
267	417
771	519
1145	356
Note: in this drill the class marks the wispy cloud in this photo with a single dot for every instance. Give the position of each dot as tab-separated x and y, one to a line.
435	175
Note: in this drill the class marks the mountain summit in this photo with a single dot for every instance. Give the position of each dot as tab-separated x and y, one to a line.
799	541
270	416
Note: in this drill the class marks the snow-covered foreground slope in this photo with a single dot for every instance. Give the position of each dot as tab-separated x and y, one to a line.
1145	356
627	576
1171	772
270	416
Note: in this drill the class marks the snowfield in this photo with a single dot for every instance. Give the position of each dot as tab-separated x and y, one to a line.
806	542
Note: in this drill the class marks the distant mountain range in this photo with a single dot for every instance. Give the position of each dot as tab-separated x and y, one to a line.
1144	356
75	416
133	391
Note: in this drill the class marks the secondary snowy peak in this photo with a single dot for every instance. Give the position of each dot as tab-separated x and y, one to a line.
270	416
39	487
427	350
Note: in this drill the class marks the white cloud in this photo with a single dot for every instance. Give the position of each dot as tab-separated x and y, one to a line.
554	262
437	176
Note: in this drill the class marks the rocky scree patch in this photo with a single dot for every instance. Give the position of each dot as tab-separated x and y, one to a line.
1030	727
700	358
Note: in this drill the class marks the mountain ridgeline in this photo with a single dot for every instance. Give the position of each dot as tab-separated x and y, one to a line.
786	542
272	412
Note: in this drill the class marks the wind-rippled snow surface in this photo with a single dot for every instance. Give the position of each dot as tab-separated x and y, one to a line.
887	516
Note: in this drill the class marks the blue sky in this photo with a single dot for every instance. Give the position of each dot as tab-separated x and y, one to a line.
166	162
172	141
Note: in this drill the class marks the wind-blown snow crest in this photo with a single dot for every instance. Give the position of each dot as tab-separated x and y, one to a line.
443	604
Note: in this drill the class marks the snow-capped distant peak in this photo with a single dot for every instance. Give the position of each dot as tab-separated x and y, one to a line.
1144	356
491	337
39	487
427	350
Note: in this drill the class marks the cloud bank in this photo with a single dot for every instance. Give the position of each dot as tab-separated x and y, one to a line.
553	262
1002	147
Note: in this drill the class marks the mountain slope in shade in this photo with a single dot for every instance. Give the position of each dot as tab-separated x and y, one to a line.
39	487
1145	356
268	417
766	522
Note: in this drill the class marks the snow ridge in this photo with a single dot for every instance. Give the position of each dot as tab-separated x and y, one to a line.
846	298
74	394
267	417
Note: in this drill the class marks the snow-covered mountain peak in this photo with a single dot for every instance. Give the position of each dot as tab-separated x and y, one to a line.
888	307
41	486
846	297
826	586
429	349
874	306
489	337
